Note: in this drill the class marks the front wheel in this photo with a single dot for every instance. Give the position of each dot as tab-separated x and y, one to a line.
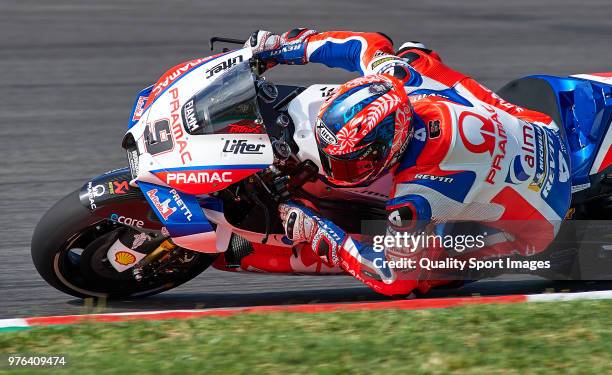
69	248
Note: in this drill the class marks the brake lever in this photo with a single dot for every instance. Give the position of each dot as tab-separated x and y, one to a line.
280	190
214	39
258	66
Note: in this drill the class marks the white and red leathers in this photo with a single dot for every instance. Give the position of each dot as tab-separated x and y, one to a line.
473	157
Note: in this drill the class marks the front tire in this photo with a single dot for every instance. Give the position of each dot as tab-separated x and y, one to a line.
69	246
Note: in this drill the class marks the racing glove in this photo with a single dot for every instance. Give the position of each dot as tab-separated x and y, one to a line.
273	49
262	40
302	225
294	36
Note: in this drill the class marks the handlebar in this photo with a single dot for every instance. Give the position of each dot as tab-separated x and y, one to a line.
221	39
258	62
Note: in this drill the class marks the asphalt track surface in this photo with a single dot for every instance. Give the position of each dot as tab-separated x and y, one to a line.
69	71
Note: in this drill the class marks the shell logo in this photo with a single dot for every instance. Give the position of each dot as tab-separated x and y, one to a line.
124	258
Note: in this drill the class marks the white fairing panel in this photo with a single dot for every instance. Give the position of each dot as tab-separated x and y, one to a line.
601	78
194	151
304	110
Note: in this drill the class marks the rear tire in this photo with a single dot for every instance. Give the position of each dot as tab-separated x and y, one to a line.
69	239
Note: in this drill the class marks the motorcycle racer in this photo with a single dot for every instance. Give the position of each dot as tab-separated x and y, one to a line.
457	153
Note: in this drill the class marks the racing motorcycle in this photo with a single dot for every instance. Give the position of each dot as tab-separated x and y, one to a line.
213	148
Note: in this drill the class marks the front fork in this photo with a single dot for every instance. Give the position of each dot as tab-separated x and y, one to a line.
141	253
160	254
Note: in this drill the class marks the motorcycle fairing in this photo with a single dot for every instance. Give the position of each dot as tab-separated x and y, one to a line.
582	107
603	157
182	216
603	160
206	178
228	163
304	110
111	196
280	259
169	155
173	166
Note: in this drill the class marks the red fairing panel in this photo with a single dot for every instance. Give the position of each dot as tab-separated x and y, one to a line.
204	181
278	259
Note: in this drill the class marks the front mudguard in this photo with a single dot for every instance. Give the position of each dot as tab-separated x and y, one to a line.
110	196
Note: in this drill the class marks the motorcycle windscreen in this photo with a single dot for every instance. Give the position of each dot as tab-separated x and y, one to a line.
226	106
221	156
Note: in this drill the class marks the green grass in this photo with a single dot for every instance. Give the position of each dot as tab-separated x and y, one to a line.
574	337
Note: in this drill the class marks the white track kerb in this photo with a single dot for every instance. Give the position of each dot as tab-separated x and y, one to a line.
13	323
24	323
555	297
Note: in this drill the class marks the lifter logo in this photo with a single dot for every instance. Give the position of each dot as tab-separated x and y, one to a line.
223	66
242	147
493	134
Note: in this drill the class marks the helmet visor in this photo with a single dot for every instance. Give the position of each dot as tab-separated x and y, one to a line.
357	166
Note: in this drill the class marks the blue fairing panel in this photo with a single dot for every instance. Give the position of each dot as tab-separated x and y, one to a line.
138	107
585	110
179	212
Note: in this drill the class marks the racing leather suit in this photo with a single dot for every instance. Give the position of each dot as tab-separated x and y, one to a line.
473	157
